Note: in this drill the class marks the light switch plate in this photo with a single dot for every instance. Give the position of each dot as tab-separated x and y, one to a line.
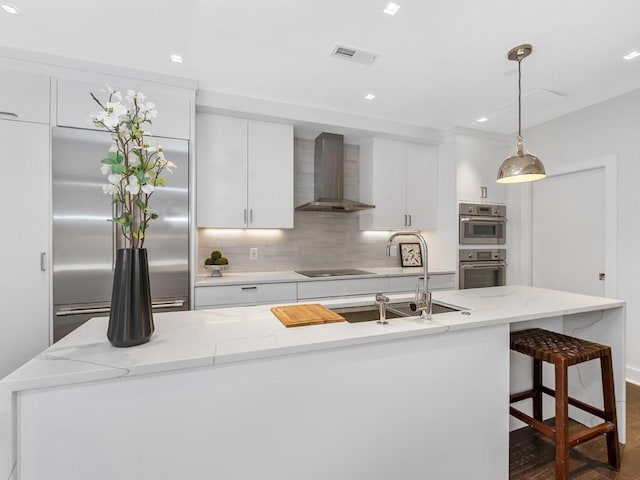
253	253
393	251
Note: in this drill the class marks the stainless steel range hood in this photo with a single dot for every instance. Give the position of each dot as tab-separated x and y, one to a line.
329	178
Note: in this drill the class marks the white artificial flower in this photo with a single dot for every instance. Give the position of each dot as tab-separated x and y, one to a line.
117	95
147	188
110	89
105	169
114	178
116	108
133	187
113	148
169	165
152	114
110	189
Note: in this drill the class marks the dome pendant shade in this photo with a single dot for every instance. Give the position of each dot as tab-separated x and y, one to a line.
521	167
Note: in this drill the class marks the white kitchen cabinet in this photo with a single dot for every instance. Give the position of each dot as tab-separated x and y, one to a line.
260	293
400	179
244	173
75	104
478	161
24	278
24	96
251	294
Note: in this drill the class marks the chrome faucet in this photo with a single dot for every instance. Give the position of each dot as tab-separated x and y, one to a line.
381	301
423	295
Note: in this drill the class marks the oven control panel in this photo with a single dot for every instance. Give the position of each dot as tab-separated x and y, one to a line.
483	210
480	255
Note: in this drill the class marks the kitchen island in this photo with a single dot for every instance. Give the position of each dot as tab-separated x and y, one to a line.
232	394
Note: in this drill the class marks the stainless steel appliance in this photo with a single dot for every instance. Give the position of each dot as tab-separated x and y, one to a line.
85	241
483	224
328	178
482	268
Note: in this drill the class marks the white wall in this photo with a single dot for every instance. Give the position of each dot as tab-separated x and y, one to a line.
611	128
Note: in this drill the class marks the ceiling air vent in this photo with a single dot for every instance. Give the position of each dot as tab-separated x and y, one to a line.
353	54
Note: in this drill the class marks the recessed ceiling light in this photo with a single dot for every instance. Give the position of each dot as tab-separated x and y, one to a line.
631	55
176	58
12	9
369	96
482	119
391	8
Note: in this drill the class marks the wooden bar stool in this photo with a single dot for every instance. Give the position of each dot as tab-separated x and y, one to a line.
563	351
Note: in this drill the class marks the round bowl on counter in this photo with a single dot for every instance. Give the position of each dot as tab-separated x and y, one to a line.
216	270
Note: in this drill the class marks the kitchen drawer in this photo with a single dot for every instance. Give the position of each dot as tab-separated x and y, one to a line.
24	96
249	294
340	288
75	104
444	281
404	284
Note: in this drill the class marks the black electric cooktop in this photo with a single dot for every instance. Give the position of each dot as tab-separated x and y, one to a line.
335	272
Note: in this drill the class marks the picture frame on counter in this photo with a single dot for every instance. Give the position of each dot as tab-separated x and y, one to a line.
410	255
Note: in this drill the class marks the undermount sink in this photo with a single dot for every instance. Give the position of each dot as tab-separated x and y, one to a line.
368	313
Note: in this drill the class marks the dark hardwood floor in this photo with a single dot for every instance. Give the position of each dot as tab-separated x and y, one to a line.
531	456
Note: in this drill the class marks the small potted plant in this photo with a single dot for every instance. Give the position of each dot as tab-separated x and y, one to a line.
215	263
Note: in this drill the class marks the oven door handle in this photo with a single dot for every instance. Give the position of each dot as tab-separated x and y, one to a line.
483	219
484	265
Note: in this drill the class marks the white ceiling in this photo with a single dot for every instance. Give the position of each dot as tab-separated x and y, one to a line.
442	63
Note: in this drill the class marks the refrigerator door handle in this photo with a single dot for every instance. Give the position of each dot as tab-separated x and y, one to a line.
82	311
114	238
43	261
170	304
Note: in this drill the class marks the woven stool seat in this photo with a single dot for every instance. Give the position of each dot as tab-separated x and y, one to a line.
545	345
563	351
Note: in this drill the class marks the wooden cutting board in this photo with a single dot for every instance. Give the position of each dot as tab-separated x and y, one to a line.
311	314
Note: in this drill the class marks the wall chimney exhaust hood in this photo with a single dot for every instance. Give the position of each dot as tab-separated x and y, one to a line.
328	178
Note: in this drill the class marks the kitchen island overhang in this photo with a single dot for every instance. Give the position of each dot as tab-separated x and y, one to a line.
232	392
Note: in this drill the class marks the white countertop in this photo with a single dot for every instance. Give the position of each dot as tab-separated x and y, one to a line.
241	278
217	336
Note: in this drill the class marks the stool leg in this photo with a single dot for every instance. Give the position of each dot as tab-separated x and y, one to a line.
609	395
562	419
537	385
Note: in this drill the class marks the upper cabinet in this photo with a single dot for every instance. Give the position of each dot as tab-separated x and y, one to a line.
400	179
75	104
478	161
244	176
24	96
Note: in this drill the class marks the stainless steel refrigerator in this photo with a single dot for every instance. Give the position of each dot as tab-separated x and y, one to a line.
85	241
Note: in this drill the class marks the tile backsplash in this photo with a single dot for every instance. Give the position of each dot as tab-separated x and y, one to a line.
319	240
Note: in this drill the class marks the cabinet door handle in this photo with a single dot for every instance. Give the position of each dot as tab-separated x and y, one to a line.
251	215
43	261
9	114
405	220
410	220
249	288
245	215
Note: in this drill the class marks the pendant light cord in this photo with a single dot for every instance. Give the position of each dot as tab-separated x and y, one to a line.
519	99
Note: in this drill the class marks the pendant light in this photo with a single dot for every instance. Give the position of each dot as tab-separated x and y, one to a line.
521	167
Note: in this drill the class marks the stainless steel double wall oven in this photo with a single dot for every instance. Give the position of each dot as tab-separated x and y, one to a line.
482	224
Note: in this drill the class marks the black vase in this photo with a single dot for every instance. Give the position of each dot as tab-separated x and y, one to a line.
131	318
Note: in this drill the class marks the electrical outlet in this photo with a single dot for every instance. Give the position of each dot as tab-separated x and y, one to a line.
253	253
393	251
